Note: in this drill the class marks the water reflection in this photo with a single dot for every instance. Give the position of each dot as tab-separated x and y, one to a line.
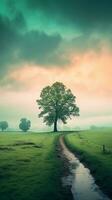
82	183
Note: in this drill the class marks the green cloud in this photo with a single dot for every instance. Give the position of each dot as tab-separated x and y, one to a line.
29	46
80	13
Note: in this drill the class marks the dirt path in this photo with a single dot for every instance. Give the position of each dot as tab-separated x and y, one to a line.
80	180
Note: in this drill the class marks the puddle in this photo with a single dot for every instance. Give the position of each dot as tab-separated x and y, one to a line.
83	186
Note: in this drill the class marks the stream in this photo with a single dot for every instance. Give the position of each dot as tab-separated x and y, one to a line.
79	179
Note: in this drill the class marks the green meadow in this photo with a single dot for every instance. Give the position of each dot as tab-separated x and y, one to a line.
30	167
88	145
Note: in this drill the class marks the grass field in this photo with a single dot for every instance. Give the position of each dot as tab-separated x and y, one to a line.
29	167
88	146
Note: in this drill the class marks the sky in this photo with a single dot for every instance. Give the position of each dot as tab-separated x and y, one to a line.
44	41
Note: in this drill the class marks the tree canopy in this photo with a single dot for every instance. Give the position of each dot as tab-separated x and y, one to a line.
24	124
57	103
3	125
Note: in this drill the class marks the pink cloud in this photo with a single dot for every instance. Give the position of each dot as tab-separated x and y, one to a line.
88	74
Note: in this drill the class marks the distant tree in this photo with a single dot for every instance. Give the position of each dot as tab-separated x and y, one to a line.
24	124
92	127
57	103
3	125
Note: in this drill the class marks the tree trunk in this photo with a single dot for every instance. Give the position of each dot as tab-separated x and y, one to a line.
55	125
56	119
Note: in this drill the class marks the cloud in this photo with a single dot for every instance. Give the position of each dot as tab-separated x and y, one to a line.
8	42
89	21
84	14
85	42
20	44
39	48
88	74
26	46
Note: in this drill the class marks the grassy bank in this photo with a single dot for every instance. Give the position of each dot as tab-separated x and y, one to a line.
29	167
88	145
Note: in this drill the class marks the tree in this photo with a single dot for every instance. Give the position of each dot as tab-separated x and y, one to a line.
57	103
24	124
3	125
